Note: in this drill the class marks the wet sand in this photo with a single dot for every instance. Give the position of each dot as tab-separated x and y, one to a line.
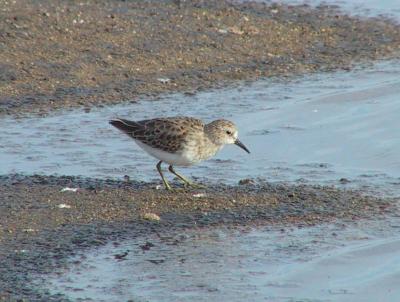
43	226
58	55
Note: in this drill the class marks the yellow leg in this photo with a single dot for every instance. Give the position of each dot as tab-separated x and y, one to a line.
165	182
185	181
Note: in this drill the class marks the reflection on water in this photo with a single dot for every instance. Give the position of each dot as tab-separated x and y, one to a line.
318	128
331	262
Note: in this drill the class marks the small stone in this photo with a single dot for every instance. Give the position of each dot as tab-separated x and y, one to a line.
252	30
151	217
147	246
20	251
344	180
235	30
246	181
164	80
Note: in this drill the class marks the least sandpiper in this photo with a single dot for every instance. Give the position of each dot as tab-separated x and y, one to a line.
180	141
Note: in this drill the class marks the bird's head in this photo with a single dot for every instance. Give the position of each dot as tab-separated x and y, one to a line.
224	132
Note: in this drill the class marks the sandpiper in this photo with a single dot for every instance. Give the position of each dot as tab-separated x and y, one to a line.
180	141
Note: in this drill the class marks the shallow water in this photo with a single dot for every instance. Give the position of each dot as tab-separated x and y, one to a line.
318	128
331	262
371	8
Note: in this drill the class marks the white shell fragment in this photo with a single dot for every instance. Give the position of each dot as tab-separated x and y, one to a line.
164	80
67	189
64	206
199	195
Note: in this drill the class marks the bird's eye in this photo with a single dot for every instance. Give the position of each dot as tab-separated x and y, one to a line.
228	132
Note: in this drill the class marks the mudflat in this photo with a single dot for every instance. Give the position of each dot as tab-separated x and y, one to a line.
57	54
43	223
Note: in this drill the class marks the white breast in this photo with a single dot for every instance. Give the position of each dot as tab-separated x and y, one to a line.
177	159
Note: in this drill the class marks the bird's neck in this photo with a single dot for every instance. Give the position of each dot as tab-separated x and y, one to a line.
200	148
211	148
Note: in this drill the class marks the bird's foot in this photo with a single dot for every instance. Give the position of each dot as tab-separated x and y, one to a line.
186	187
177	190
194	185
167	186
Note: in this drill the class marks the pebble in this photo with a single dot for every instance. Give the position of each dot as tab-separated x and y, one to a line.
64	206
151	217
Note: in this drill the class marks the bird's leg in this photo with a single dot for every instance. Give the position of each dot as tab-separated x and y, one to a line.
181	177
166	184
185	181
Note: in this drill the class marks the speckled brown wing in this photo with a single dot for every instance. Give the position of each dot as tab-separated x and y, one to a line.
167	134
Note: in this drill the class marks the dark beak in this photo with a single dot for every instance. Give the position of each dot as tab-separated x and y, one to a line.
240	144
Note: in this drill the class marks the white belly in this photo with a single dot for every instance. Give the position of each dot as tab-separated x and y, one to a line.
177	159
